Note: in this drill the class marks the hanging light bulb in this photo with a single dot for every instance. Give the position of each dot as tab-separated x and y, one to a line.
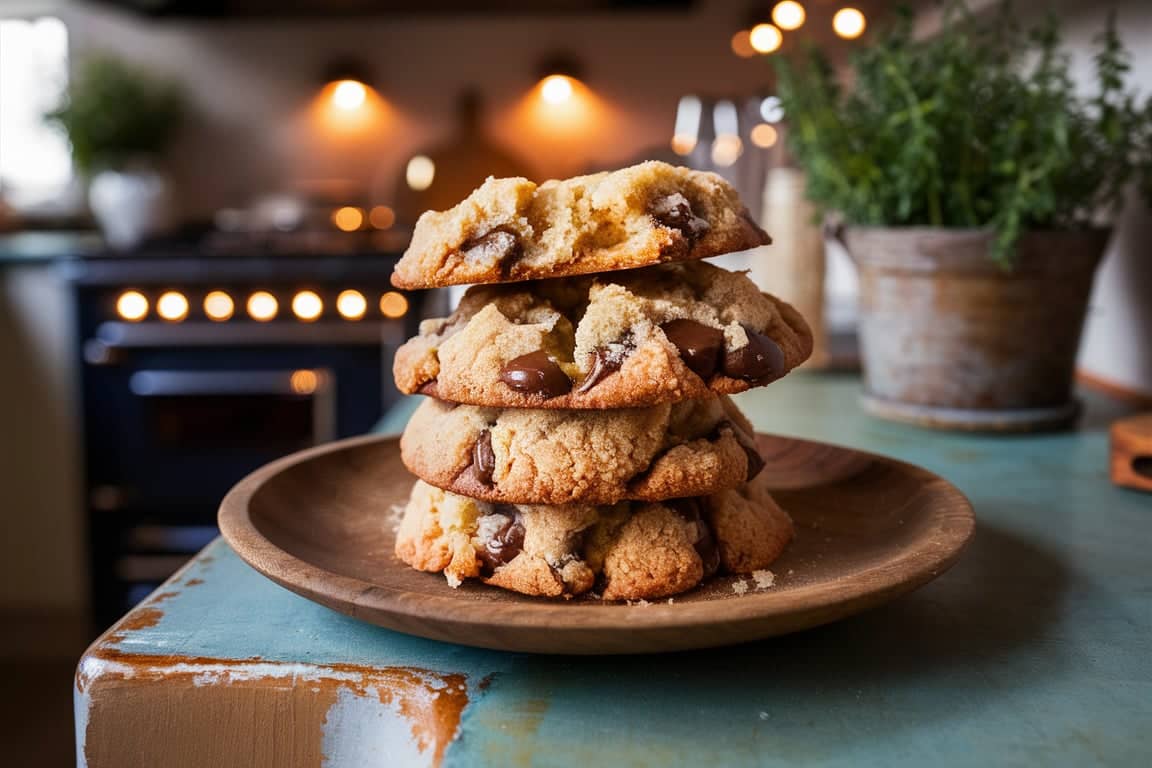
849	23
789	15
766	38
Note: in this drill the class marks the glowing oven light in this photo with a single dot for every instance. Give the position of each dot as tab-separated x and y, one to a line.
304	381
393	305
351	305
307	306
132	306
172	306
218	306
262	306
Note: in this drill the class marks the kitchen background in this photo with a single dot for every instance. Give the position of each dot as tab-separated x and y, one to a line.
442	75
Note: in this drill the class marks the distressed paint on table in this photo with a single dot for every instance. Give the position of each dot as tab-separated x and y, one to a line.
1035	648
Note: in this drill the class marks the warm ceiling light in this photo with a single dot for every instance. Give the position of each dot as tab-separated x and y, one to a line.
263	306
789	15
381	217
132	306
764	135
304	381
683	144
393	305
218	306
351	305
765	38
348	218
556	89
726	149
307	306
849	23
420	172
742	44
349	95
172	306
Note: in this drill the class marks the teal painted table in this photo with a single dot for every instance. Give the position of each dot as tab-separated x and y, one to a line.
1035	649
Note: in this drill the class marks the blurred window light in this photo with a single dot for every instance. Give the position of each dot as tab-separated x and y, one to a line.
420	172
726	150
218	306
556	89
742	44
35	161
764	136
172	306
724	119
849	23
766	38
349	95
789	15
687	129
772	109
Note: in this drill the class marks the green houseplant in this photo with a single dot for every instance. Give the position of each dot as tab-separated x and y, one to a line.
971	179
119	121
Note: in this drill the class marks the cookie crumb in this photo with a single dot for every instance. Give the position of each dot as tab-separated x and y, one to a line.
670	601
740	586
641	601
764	579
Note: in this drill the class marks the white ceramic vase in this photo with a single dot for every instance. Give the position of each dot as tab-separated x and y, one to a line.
129	205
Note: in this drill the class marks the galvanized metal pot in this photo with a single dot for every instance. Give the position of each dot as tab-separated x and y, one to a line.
950	339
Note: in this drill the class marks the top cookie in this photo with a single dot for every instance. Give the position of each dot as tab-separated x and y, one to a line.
511	229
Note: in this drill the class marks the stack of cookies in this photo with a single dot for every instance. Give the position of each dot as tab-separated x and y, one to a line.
577	435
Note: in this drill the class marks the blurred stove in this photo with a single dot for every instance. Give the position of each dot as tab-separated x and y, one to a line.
201	363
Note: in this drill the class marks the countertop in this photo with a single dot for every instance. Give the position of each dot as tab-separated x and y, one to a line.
1036	648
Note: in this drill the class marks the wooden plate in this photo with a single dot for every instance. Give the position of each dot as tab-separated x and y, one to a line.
868	529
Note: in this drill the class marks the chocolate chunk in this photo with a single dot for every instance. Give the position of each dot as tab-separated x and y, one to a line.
483	459
505	542
747	442
500	246
605	361
759	361
675	212
536	373
705	544
699	345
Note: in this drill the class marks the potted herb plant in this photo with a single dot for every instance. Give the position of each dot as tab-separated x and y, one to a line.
119	121
971	179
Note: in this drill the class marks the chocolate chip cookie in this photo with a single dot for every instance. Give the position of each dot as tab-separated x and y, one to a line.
512	229
528	456
623	339
625	551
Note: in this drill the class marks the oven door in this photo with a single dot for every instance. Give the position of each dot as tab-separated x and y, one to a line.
184	433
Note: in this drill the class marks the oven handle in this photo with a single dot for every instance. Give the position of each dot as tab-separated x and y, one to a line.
185	383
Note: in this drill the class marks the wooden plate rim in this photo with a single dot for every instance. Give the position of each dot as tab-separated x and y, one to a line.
373	601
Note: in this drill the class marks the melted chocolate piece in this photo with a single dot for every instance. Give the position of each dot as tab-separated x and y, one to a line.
675	212
700	346
506	542
605	361
706	545
500	246
759	361
748	443
536	373
483	459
